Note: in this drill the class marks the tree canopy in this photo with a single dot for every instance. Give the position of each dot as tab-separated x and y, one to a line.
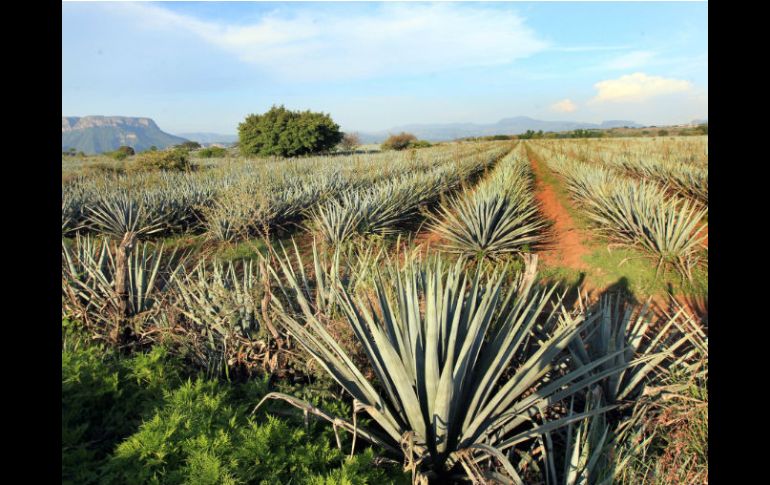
286	133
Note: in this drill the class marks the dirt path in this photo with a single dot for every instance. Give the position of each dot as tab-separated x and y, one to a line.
564	245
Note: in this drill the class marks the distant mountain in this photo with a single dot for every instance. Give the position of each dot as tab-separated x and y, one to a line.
699	122
506	126
98	134
210	138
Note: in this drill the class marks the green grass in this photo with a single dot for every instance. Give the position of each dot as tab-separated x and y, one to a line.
629	270
637	272
249	249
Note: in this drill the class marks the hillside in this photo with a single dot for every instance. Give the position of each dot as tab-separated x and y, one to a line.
98	134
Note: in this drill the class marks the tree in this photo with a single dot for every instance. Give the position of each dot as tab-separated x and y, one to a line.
662	132
398	142
350	141
287	133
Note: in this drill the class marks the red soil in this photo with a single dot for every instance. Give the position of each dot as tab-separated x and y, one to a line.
427	240
564	246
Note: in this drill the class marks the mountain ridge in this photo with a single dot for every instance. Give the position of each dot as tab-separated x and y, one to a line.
515	125
99	134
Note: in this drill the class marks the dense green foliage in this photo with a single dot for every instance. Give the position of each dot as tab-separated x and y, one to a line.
286	133
145	419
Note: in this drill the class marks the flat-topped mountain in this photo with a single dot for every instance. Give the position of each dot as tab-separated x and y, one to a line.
98	134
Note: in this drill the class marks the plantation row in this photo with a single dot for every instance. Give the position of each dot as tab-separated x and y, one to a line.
680	165
245	198
498	217
636	212
382	207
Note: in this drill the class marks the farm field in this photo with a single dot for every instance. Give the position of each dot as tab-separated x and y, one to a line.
517	311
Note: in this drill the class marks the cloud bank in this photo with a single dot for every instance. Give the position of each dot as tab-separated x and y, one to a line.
392	39
638	87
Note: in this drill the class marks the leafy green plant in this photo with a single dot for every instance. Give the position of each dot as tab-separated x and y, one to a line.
212	152
104	398
201	436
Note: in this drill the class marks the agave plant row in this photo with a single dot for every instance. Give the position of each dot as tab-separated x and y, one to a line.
639	213
681	165
497	217
240	198
383	207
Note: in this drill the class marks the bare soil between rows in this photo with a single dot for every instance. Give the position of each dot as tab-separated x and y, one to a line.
563	245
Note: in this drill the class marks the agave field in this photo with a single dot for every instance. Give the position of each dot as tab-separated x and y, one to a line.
392	317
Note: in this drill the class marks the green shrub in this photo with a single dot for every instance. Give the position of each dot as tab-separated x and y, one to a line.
170	160
398	142
212	152
286	133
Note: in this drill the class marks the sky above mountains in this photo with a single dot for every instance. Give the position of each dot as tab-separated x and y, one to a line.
204	66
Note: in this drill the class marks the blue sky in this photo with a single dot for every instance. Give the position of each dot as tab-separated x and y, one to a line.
204	66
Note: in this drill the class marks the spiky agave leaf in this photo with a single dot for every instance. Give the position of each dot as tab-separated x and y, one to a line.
88	279
338	220
487	226
587	449
119	214
440	341
499	217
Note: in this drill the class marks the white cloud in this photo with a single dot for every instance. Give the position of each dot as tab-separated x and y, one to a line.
395	39
638	87
564	106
